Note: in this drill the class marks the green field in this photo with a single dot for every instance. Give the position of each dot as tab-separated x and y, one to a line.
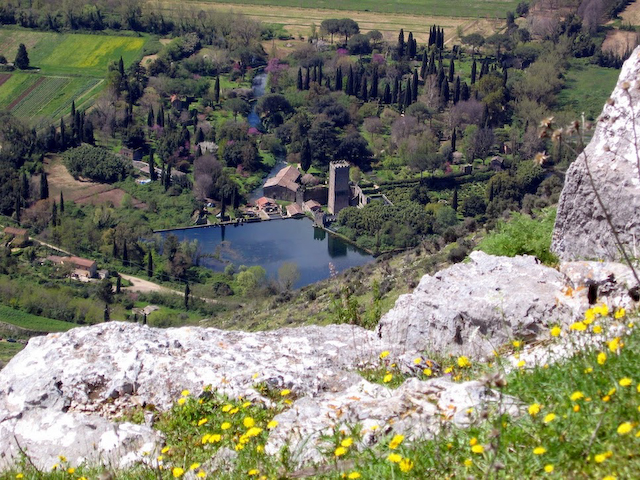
587	88
65	67
451	8
32	322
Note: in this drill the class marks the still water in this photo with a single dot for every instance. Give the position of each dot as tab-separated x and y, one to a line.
271	243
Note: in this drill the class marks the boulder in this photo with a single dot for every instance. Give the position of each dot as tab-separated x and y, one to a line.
472	308
611	164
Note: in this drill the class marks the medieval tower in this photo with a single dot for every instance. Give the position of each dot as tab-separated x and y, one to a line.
339	189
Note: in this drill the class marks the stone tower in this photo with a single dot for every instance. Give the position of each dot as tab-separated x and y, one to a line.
339	189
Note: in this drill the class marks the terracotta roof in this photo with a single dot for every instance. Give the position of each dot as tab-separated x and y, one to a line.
262	201
289	173
294	209
311	204
81	262
15	231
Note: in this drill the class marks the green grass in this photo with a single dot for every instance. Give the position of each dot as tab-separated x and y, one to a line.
32	322
453	8
14	86
587	88
8	351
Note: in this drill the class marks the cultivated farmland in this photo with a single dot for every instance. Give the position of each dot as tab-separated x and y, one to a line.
64	68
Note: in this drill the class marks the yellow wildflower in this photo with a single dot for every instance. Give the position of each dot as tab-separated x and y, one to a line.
597	329
556	331
417	361
448	370
394	458
621	312
576	396
225	426
340	451
534	409
253	471
614	345
347	442
19	475
406	465
215	438
194	466
473	441
248	422
181	401
625	428
463	362
521	364
387	378
609	477
578	326
227	408
548	468
588	370
246	404
516	344
185	393
233	411
285	392
272	424
590	315
396	441
202	421
177	471
539	450
62	458
606	398
477	449
602	357
254	432
201	474
427	372
384	354
165	449
601	457
576	408
468	462
353	475
625	382
549	418
71	470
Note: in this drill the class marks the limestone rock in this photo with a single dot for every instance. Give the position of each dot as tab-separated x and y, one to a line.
471	308
581	231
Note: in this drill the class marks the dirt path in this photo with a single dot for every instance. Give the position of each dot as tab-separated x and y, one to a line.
145	286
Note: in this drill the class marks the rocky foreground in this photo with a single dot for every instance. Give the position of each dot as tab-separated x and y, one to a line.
59	396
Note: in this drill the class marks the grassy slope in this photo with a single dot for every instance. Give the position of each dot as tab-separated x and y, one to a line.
32	322
452	8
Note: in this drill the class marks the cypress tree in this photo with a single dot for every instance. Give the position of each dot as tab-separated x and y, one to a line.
414	93
121	67
305	155
125	254
339	79
63	135
423	66
22	58
314	75
349	90
216	89
401	97
464	92
327	82
474	68
61	202
167	178
374	84
505	77
454	201
118	284
408	94
452	69
151	117
114	249
364	89
299	82
160	117
54	214
153	176
431	36
163	174
24	187
410	46
306	80
386	99
444	92
432	63
44	186
320	74
187	291
454	139
401	44
396	90
150	263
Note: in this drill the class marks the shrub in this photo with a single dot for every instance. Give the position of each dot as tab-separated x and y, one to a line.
96	163
523	235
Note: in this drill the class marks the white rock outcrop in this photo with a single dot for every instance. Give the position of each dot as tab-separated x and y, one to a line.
613	158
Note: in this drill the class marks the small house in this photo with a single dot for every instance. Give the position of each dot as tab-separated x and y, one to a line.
267	205
17	237
311	206
284	185
294	210
134	155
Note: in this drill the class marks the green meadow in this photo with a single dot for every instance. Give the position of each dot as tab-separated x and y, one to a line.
32	322
451	8
64	68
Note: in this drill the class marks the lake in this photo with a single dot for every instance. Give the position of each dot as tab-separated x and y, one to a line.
271	243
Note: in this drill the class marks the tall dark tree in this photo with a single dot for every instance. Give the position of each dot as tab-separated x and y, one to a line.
187	292
414	85
400	47
125	254
364	89
114	249
61	202
411	46
118	284
216	90
54	214
386	98
320	74
454	201
153	176
474	69
299	83
408	94
167	178
22	58
349	89
151	118
396	90
160	117
444	92
454	139
121	67
24	186
423	66
456	91
17	208
339	79
63	135
374	84
307	79
452	69
305	155
44	186
464	92
150	263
